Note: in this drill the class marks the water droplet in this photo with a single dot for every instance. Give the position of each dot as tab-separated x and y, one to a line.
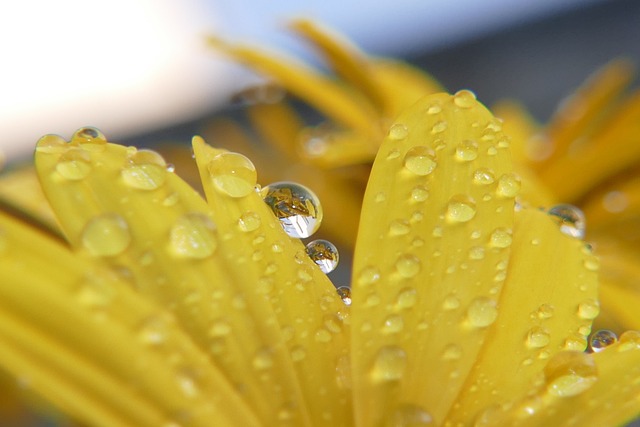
297	208
629	340
144	170
249	221
153	330
434	109
52	144
323	336
407	298
96	291
389	364
476	252
451	302
467	151
537	337
420	160
219	328
380	197
106	235
398	131
482	312
461	209
591	263
508	185
324	254
74	164
408	265
298	353
393	324
571	220
408	415
368	276
601	340
439	127
575	342
419	194
187	382
193	236
344	292
262	359
90	138
589	309
483	176
570	373
615	201
399	227
501	238
233	174
545	311
452	352
464	98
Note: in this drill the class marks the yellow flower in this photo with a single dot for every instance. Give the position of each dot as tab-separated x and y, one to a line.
587	156
162	309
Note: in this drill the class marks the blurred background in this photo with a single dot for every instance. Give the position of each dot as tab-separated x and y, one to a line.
141	70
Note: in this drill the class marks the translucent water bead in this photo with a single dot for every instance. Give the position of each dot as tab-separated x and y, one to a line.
570	218
297	208
324	254
601	340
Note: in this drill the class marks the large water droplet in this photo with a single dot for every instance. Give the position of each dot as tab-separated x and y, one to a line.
398	131
483	176
144	170
570	373
233	174
389	364
106	235
249	221
193	236
464	98
344	292
588	309
408	265
467	151
508	185
74	164
52	144
571	220
297	208
420	160
482	312
461	209
324	254
90	138
602	339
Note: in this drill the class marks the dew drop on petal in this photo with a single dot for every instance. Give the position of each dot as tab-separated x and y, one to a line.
74	164
452	352
467	151
389	364
588	309
629	340
419	193
570	219
483	176
368	276
601	340
344	292
476	252
90	138
464	98
569	373
482	312
501	238
508	185
324	254
434	109
461	209
408	265
407	298
420	160
144	170
399	227
193	236
393	324
233	174
153	331
439	127
537	337
297	208
398	131
106	235
615	201
249	221
52	144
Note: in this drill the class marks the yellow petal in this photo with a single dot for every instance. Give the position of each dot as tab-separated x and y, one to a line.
425	284
301	298
85	340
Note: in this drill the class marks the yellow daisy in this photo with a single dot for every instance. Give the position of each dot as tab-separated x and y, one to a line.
159	308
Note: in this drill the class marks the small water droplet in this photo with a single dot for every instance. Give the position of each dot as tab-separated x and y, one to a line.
591	263
439	127
408	266
408	415
451	302
601	340
153	330
461	209
545	311
90	138
570	373
482	312
193	236
344	292
452	352
407	298
508	185
187	382
420	160
389	364
219	328
297	208
464	98
434	109
501	238
483	176
262	359
368	276
537	337
106	235
467	151
52	144
393	324
144	170
570	218
323	336
380	197
588	309
399	227
324	254
298	353
476	252
249	221
398	131
575	342
419	193
233	174
171	200
74	164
